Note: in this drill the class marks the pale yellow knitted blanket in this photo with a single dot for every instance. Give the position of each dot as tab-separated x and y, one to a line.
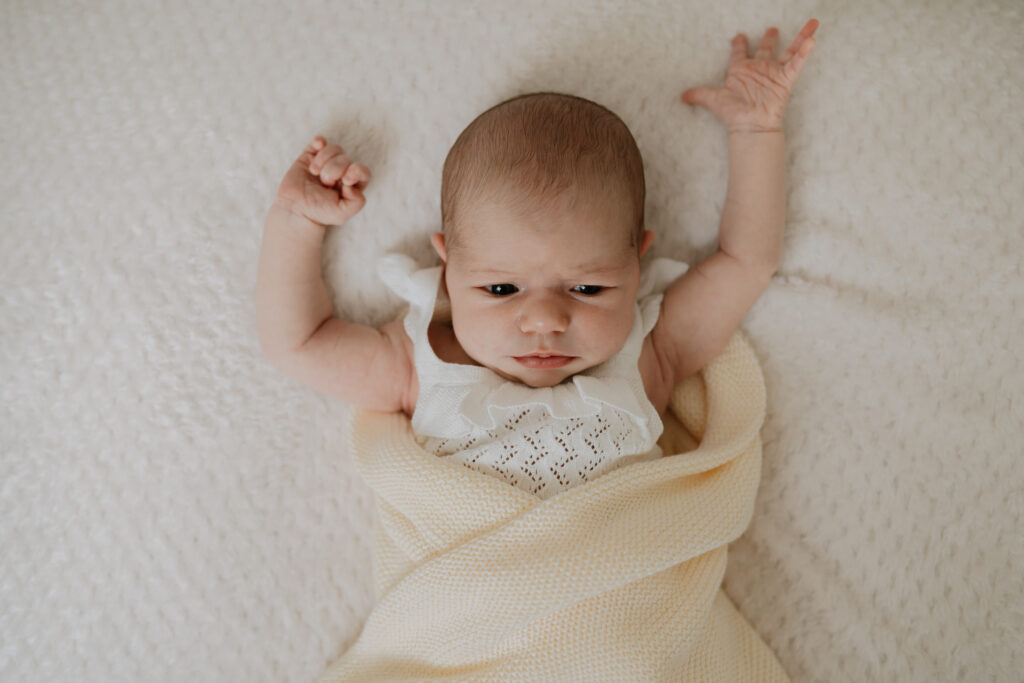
618	579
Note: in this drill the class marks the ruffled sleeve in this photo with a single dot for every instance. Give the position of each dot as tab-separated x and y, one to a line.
406	279
658	276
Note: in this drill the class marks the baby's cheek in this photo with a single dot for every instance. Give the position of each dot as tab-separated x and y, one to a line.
604	333
474	329
623	325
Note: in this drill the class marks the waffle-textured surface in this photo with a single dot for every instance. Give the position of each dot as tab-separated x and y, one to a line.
172	508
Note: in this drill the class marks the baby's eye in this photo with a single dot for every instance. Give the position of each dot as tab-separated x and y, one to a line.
588	290
501	290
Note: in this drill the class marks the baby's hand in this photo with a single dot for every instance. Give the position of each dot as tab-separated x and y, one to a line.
756	90
323	185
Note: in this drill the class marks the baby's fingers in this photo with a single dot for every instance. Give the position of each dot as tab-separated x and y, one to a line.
799	43
740	49
795	65
333	205
766	50
702	97
340	169
352	198
333	169
356	175
326	153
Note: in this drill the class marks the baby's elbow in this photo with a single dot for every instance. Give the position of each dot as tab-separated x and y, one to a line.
277	353
273	355
764	272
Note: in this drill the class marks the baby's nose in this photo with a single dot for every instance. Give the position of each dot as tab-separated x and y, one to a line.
543	312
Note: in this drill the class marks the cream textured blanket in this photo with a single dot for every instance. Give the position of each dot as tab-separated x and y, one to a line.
616	579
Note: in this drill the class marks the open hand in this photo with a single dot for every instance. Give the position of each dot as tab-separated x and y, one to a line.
323	185
756	89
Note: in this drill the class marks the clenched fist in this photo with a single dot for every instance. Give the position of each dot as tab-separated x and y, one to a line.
323	185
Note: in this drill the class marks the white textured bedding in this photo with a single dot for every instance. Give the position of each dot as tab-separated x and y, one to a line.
174	509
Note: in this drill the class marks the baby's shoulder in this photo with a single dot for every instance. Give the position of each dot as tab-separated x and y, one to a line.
403	362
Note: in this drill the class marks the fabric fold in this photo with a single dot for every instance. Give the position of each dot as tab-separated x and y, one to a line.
615	579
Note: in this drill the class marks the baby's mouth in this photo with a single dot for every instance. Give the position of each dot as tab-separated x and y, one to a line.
544	361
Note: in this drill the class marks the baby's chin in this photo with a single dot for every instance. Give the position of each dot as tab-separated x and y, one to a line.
539	378
537	383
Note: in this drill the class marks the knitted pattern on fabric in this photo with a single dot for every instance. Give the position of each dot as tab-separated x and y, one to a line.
615	579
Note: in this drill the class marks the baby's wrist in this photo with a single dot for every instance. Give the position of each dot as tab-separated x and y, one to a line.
295	220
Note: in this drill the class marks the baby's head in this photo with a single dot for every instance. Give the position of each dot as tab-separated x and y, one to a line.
542	207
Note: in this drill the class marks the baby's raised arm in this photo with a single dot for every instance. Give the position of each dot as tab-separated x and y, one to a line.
298	331
703	309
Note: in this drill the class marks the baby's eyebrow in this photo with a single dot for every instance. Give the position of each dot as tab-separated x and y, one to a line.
585	269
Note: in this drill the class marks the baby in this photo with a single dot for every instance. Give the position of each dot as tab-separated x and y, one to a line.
548	371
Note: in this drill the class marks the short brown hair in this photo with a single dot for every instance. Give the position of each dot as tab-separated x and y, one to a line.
540	144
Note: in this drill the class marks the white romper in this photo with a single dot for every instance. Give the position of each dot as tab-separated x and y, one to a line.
543	440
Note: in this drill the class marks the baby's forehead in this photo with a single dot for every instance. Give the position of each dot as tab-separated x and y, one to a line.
577	244
518	203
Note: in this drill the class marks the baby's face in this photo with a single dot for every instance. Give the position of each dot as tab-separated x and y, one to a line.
542	297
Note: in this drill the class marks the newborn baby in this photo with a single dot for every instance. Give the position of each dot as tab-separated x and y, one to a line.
527	354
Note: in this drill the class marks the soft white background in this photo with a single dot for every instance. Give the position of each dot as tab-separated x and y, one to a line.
174	509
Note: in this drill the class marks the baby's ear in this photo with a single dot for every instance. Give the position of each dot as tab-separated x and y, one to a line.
646	243
437	240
